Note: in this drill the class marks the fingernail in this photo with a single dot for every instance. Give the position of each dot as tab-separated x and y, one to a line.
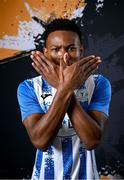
31	56
98	57
37	52
92	56
99	60
65	55
32	52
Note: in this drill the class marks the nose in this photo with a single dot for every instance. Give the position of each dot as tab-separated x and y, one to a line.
62	52
65	55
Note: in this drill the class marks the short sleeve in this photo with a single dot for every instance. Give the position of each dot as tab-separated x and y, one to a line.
102	95
27	100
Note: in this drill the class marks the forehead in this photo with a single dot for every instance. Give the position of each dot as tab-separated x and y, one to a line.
58	38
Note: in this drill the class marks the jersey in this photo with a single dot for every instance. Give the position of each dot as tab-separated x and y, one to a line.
66	157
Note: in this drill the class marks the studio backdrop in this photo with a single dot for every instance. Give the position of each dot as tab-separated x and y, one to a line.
22	23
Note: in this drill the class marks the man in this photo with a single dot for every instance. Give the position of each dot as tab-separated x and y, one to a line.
65	108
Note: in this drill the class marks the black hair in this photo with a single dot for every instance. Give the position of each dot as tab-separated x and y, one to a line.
62	25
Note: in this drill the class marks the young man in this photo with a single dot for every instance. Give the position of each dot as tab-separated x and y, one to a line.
65	108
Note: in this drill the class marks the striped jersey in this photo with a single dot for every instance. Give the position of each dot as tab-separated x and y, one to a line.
66	157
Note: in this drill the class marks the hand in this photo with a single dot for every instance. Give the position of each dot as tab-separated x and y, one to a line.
71	76
46	68
77	73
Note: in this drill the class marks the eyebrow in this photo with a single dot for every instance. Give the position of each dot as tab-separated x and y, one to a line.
60	46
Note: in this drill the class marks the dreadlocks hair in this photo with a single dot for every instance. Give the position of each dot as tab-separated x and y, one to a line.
62	25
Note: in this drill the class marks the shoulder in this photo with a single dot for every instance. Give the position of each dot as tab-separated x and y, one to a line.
102	95
102	87
101	81
28	84
27	98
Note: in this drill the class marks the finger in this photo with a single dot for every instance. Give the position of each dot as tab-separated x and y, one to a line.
39	62
88	64
32	52
42	56
32	56
66	59
51	66
86	59
91	72
39	56
93	67
38	70
62	61
62	66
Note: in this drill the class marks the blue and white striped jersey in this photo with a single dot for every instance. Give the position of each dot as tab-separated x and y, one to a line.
66	157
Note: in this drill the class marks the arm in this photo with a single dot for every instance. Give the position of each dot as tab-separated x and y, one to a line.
96	116
42	128
87	126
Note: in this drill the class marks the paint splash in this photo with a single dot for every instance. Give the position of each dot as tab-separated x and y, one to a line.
57	9
99	5
25	37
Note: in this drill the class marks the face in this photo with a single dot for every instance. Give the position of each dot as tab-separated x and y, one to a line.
60	42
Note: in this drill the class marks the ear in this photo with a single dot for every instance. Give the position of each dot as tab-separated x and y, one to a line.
81	51
45	51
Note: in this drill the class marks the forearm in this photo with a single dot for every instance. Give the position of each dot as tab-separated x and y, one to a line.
85	126
48	125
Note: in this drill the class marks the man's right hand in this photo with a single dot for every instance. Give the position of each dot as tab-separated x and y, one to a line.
46	68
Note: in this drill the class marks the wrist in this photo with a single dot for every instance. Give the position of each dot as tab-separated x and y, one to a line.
64	91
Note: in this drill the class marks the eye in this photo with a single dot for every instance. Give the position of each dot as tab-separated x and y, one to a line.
55	49
72	49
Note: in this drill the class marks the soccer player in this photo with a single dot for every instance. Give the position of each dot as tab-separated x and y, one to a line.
64	109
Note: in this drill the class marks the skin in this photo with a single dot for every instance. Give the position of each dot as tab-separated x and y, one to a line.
63	66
